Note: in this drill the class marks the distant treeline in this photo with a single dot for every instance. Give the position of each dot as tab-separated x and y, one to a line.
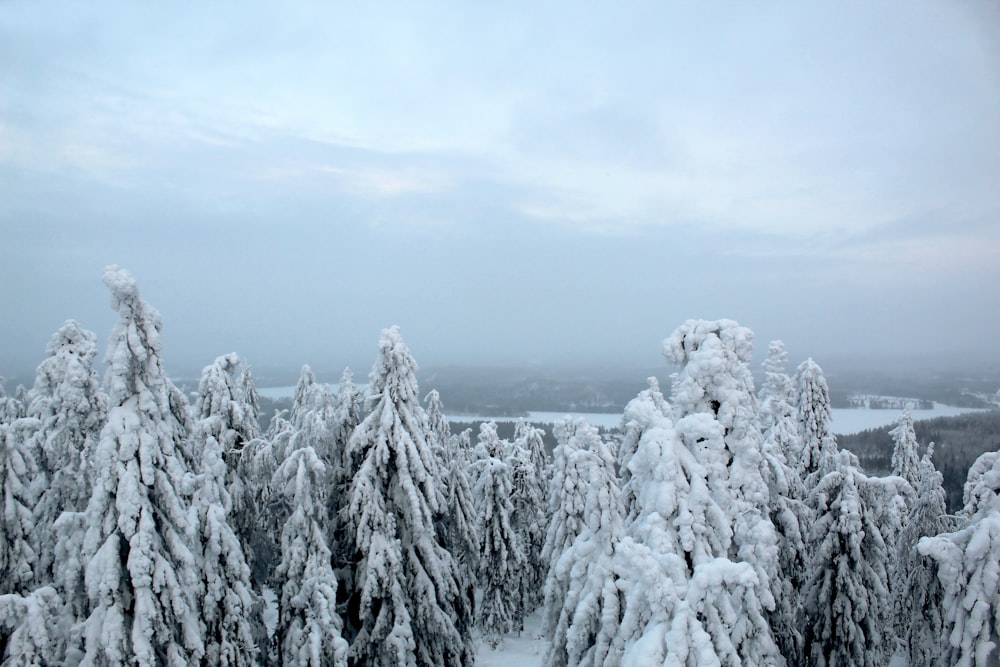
958	441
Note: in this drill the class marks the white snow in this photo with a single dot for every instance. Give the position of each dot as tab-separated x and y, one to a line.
845	420
270	611
526	649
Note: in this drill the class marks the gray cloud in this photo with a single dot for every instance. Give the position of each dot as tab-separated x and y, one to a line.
561	184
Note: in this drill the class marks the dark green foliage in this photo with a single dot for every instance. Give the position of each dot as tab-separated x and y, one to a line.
958	442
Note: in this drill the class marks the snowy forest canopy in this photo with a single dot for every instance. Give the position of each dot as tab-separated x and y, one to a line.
722	526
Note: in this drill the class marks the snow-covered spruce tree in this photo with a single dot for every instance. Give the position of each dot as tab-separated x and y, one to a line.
437	424
776	389
812	407
35	628
344	418
347	414
247	388
777	415
890	498
407	608
500	557
787	508
686	603
967	561
70	407
309	629
905	458
228	604
6	405
460	516
141	572
311	418
305	397
12	407
258	513
532	440
567	502
226	410
526	457
456	520
847	604
438	436
920	619
587	623
715	380
21	483
487	440
226	407
647	410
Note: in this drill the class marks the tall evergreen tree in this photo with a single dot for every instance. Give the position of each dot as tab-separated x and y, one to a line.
307	397
715	380
70	407
309	629
847	602
345	417
141	573
501	559
437	424
228	603
587	623
7	409
967	561
21	483
645	411
347	414
226	407
685	604
905	457
461	517
920	619
408	603
775	394
567	503
812	406
312	417
526	457
12	407
258	512
778	415
456	520
787	508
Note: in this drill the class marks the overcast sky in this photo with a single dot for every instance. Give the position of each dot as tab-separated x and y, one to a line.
531	182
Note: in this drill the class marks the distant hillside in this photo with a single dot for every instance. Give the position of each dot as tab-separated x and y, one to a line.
958	442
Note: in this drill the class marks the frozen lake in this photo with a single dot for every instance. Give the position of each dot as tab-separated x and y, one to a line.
845	420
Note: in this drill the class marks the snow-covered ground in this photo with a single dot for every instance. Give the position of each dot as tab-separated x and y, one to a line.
524	651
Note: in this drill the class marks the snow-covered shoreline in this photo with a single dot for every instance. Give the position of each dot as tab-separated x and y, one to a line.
845	420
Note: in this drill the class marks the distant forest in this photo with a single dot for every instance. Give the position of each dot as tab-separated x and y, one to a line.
958	441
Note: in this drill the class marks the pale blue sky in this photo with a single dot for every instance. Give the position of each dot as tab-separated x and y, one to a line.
509	182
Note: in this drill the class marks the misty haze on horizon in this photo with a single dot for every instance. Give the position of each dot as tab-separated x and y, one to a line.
515	186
